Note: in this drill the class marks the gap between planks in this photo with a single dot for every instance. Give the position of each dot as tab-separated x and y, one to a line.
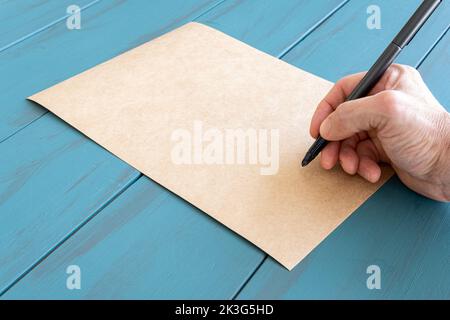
45	27
122	190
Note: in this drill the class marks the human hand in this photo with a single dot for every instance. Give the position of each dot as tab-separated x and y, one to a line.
399	122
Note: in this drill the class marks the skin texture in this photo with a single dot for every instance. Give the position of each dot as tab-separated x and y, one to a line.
400	123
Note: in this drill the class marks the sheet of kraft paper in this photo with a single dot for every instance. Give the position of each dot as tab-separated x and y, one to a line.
222	125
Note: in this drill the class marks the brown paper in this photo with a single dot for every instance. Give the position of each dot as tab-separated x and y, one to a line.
197	84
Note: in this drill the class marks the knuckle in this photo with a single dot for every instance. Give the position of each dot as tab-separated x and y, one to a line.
342	82
390	103
400	76
403	68
406	70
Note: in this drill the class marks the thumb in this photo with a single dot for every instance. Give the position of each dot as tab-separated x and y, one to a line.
352	117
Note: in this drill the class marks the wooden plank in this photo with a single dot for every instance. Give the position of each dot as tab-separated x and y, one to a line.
223	280
20	18
403	233
428	36
271	26
326	52
53	179
58	53
15	86
44	262
407	238
435	69
147	244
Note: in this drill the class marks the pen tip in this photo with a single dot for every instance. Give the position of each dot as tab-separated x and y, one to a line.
305	162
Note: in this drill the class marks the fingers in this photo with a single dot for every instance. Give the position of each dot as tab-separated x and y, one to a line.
368	161
335	97
347	123
369	169
348	158
329	155
395	78
355	156
399	77
356	116
322	111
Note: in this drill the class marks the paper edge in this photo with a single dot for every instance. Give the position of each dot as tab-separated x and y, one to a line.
289	266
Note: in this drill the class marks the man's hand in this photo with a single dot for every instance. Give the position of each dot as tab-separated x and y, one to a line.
399	123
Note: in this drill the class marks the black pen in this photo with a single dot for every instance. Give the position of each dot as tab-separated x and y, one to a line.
388	56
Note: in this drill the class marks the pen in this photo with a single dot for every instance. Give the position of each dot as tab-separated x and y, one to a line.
388	56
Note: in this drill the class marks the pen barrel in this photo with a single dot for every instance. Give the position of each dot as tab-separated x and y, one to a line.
416	22
388	56
317	146
376	72
363	88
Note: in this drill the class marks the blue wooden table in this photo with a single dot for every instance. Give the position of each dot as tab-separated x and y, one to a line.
66	201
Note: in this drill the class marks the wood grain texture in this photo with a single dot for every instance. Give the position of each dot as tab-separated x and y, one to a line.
271	26
178	280
326	52
405	234
21	18
52	177
242	266
147	244
51	180
58	53
430	34
435	69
